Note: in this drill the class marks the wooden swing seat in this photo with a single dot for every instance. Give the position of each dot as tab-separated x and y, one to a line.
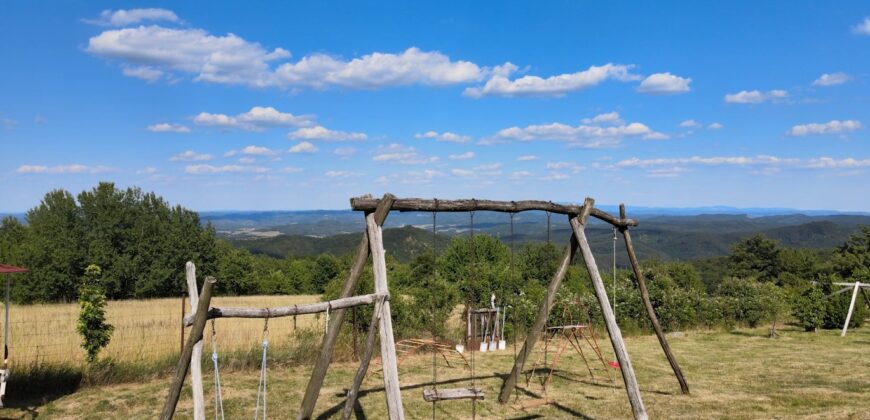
432	395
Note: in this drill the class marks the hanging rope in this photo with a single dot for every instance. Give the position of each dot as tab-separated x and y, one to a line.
511	274
434	253
614	272
218	399
548	228
261	386
473	374
326	326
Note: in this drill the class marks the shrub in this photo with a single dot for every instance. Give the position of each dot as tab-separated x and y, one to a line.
92	325
809	308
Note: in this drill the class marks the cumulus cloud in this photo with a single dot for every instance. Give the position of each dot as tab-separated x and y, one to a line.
342	174
303	147
257	118
500	84
690	124
715	126
132	16
607	118
291	170
463	156
526	158
190	156
258	151
445	136
405	155
410	177
63	169
324	134
583	136
148	170
831	79
664	84
755	96
862	28
344	151
520	175
558	166
762	164
168	128
830	127
149	74
210	169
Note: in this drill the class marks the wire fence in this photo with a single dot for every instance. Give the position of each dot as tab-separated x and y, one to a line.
144	330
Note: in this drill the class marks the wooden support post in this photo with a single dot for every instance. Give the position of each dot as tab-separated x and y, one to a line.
186	359
353	393
644	295
385	324
196	355
851	308
312	391
578	225
543	312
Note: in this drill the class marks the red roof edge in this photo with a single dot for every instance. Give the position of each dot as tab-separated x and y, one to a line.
11	269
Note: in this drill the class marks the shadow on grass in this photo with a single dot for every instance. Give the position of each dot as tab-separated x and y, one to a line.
34	386
360	414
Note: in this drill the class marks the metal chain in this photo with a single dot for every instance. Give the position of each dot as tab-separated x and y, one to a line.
218	398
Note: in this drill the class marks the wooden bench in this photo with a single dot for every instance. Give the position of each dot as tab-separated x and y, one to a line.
431	395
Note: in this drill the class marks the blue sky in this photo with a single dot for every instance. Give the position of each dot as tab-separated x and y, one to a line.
301	106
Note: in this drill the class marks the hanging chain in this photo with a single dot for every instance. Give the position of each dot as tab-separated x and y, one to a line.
218	398
434	254
261	386
614	272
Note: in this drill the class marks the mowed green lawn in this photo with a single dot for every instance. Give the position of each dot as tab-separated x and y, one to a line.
738	374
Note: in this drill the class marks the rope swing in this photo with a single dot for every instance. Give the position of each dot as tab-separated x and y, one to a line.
218	399
261	386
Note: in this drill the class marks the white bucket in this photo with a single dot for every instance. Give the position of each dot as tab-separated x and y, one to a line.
483	346
502	344
460	348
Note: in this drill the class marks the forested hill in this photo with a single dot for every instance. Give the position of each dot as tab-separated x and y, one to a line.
664	237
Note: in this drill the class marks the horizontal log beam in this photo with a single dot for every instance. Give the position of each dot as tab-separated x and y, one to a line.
418	204
311	308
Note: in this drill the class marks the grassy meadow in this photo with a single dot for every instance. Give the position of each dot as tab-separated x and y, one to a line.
732	374
145	330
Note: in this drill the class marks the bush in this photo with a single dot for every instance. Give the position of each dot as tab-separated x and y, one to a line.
750	302
92	325
809	308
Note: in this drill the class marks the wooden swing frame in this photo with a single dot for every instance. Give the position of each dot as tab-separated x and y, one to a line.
371	243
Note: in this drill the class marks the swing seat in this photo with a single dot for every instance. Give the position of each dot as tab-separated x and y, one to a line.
432	395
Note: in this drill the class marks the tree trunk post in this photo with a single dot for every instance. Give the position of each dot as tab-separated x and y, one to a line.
312	391
541	319
385	324
644	295
196	357
371	336
578	225
186	359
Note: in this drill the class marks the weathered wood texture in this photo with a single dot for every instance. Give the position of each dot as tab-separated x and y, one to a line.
184	361
534	334
312	390
196	357
431	395
371	336
578	225
418	204
647	304
311	308
385	325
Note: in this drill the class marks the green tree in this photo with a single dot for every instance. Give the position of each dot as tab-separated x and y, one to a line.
92	325
853	255
809	307
756	257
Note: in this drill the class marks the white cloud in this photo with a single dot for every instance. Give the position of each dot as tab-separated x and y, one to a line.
573	167
148	170
291	170
247	160
762	164
831	79
402	154
342	174
667	172
608	118
149	74
463	156
690	124
63	169
209	169
377	70
189	156
715	126
831	163
519	175
526	158
664	83
258	151
303	147
324	134
697	160
411	177
582	136
257	118
344	151
231	153
466	173
8	122
500	85
132	16
230	59
862	28
755	96
445	136
830	127
168	128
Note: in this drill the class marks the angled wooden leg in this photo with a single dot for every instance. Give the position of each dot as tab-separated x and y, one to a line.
353	393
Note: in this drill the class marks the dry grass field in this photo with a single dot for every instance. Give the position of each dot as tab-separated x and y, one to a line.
145	330
738	374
